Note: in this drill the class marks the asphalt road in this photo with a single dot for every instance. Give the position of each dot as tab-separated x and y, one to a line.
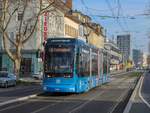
142	94
10	93
103	99
146	88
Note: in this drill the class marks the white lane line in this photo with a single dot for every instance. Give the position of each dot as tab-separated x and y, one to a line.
85	103
43	108
13	106
18	99
140	95
131	100
26	98
46	107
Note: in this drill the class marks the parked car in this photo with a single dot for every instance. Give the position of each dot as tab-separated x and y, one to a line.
38	76
7	79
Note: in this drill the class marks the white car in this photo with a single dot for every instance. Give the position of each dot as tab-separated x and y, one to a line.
7	79
38	76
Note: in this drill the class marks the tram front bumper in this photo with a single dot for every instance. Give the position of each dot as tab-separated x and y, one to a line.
59	88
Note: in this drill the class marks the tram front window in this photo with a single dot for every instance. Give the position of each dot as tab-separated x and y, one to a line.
59	62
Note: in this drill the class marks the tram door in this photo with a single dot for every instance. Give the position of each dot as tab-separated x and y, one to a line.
26	67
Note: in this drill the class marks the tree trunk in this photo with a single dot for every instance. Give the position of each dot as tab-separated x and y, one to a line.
17	64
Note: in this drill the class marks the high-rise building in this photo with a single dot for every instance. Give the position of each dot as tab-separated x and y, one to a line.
149	47
145	63
137	58
123	42
115	55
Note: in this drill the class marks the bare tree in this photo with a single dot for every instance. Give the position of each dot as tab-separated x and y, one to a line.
87	31
28	18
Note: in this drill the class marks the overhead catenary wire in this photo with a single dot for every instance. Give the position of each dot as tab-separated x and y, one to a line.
121	11
82	1
119	17
113	14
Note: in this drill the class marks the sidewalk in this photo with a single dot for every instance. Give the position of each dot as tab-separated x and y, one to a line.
30	80
117	72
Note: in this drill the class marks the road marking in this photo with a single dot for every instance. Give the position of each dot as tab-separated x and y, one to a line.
58	102
18	99
43	108
85	103
10	107
140	95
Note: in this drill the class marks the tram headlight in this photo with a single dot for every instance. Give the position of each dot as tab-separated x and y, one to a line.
49	76
45	88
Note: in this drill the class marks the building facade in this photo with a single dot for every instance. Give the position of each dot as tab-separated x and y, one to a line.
137	58
145	63
31	63
124	44
61	21
29	59
116	56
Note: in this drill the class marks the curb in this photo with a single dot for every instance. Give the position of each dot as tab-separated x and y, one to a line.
131	100
140	95
18	99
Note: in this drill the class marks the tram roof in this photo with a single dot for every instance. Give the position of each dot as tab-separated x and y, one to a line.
66	41
69	41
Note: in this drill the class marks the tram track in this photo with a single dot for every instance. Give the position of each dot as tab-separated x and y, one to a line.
82	104
113	108
76	103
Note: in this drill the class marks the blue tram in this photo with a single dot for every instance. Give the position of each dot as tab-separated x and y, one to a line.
72	65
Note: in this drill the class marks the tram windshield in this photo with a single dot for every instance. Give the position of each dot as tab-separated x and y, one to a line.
59	60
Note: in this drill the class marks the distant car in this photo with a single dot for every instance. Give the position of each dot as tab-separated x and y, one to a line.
38	76
7	79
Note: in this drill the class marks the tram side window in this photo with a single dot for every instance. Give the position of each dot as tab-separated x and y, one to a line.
94	64
105	64
84	64
108	65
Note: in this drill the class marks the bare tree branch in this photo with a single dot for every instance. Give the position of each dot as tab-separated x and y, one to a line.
10	17
9	53
4	12
33	29
10	7
23	14
25	30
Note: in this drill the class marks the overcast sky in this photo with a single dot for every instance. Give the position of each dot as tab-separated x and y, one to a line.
131	19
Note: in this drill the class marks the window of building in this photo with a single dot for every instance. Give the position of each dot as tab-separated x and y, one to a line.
105	63
70	31
81	31
20	16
